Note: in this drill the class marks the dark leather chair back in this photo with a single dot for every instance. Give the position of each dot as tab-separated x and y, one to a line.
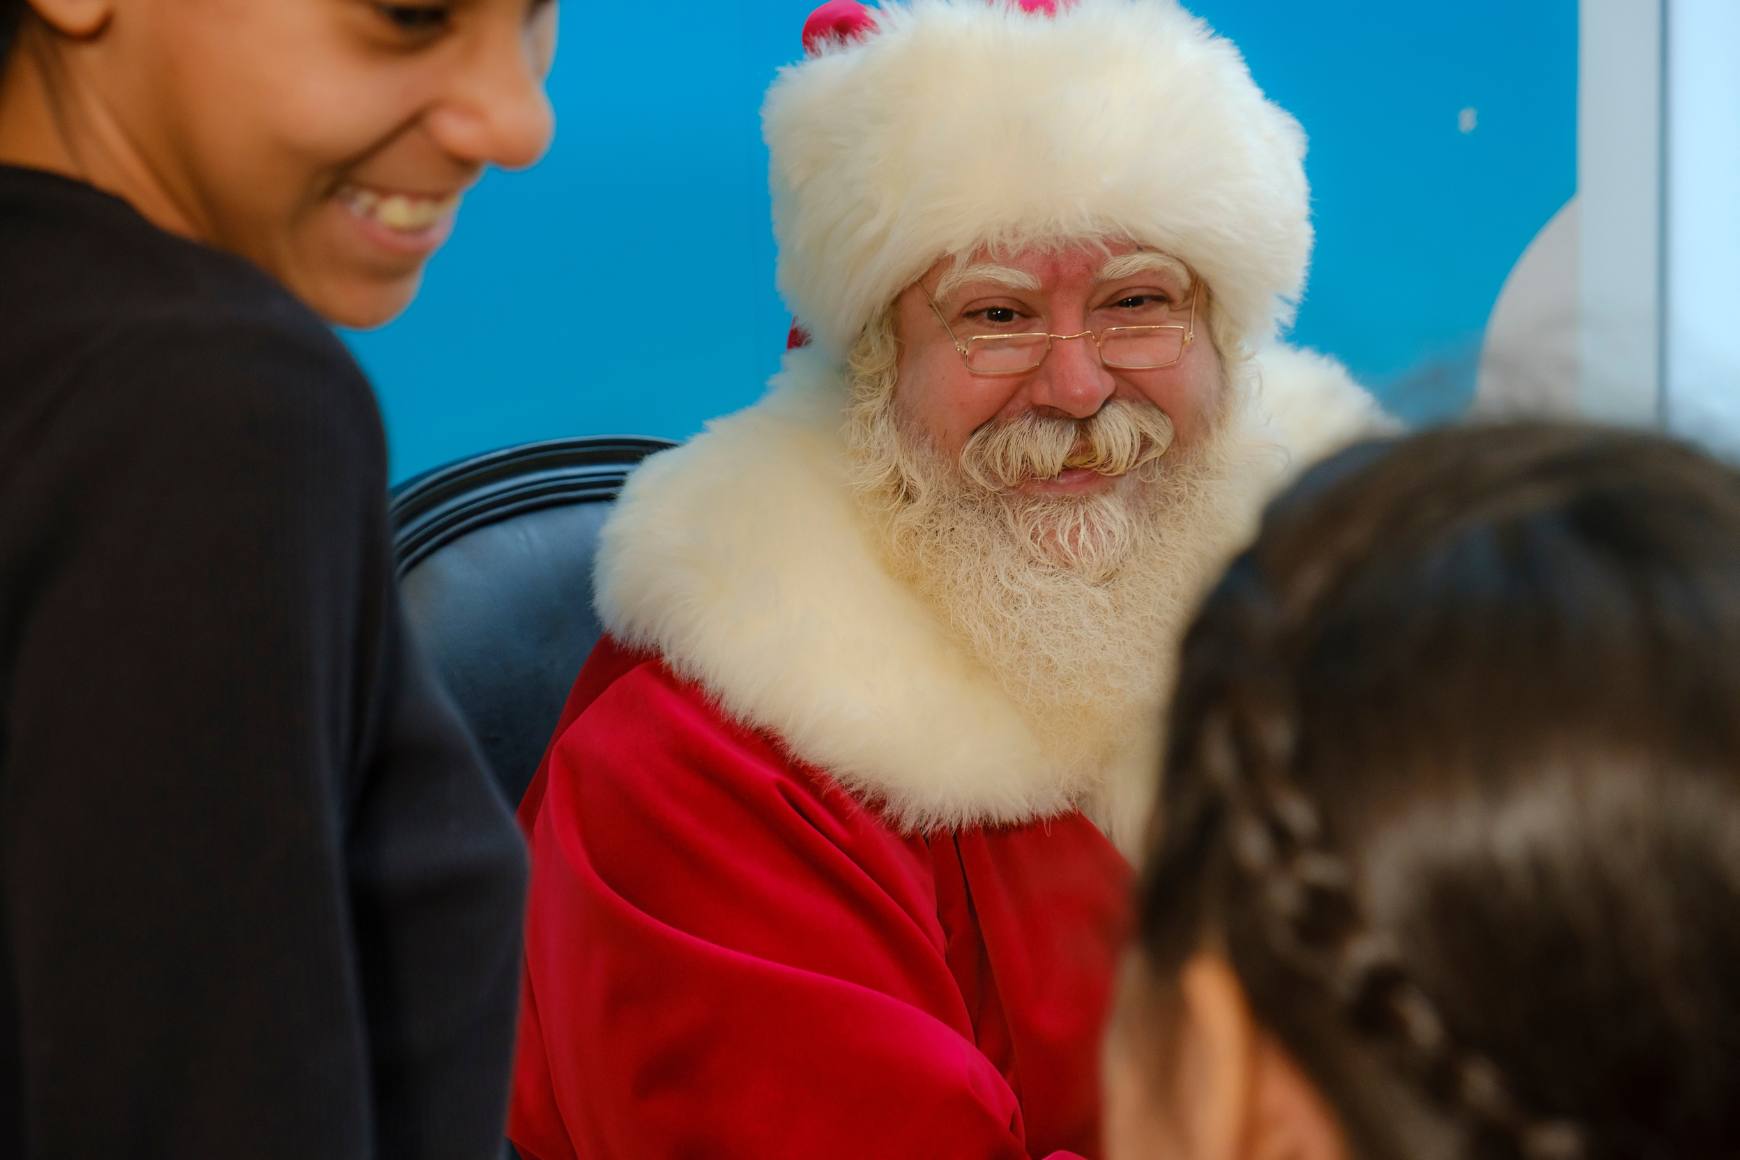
495	564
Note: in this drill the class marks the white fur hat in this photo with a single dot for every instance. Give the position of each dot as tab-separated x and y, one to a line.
934	127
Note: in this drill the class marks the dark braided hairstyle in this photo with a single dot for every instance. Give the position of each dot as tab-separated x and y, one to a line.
1454	785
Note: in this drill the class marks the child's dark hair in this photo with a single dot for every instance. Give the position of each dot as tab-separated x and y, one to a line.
11	12
1454	784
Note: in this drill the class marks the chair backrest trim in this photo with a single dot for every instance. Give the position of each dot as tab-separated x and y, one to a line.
437	507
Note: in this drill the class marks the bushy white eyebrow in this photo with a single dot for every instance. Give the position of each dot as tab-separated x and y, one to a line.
1142	262
1005	276
1121	266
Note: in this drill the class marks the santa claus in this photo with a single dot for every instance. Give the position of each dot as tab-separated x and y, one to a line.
827	847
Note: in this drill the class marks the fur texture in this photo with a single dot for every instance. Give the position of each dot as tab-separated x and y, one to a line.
961	123
745	560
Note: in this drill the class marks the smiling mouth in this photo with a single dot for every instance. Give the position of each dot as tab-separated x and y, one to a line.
402	212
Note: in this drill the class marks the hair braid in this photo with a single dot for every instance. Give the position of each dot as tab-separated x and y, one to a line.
1308	901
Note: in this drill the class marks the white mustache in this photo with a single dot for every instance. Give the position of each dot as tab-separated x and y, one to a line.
1120	438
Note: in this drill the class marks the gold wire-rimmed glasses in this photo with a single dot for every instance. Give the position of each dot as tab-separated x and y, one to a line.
1124	348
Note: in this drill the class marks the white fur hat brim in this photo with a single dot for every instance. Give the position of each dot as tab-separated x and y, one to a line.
960	124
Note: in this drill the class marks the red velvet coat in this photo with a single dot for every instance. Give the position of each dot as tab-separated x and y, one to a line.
729	956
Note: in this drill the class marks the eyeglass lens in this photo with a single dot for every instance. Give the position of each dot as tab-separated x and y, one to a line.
1134	348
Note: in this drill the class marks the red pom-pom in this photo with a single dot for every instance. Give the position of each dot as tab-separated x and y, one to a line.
796	337
836	20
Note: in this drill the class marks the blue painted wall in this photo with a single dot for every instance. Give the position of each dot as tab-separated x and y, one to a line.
626	284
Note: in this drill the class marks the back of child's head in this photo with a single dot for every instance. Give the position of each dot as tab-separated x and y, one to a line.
1454	787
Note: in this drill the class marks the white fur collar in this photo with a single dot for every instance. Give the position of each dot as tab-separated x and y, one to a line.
742	558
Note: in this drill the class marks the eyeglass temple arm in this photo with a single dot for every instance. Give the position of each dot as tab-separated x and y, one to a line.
960	346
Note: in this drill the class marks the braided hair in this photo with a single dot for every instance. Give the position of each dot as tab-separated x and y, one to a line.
1454	784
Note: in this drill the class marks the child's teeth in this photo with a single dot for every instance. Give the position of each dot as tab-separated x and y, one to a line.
399	213
396	211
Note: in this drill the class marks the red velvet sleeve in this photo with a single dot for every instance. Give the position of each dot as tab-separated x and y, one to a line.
726	956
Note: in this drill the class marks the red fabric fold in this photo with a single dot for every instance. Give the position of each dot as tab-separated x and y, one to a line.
727	955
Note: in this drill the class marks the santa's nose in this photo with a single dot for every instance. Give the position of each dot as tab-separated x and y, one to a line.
1072	380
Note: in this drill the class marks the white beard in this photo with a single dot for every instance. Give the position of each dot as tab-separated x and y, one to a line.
1076	604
